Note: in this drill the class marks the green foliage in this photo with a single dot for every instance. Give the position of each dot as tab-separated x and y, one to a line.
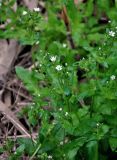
82	111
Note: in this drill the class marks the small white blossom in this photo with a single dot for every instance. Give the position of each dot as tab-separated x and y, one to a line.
65	64
97	124
60	109
66	140
66	114
37	9
36	70
109	21
58	67
64	45
38	95
111	33
53	58
40	65
37	42
61	143
24	13
113	77
54	122
49	157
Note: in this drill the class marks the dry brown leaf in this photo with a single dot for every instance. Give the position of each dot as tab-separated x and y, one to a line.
77	1
31	4
8	53
7	98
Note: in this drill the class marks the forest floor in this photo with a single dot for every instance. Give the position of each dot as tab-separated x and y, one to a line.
13	95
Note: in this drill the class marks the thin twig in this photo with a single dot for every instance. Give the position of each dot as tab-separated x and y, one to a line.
12	118
67	24
21	94
20	136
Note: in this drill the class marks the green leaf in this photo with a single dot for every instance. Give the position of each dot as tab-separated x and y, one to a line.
103	129
26	145
72	147
72	153
1	150
20	149
113	143
92	150
28	78
23	74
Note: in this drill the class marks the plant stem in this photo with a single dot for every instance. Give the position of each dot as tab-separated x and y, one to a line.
35	152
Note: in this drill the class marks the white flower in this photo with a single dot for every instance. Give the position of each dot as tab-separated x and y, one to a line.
36	70
58	67
24	13
60	109
54	122
109	21
38	95
64	45
37	42
66	114
53	58
37	9
66	140
111	33
97	124
61	143
113	77
49	157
